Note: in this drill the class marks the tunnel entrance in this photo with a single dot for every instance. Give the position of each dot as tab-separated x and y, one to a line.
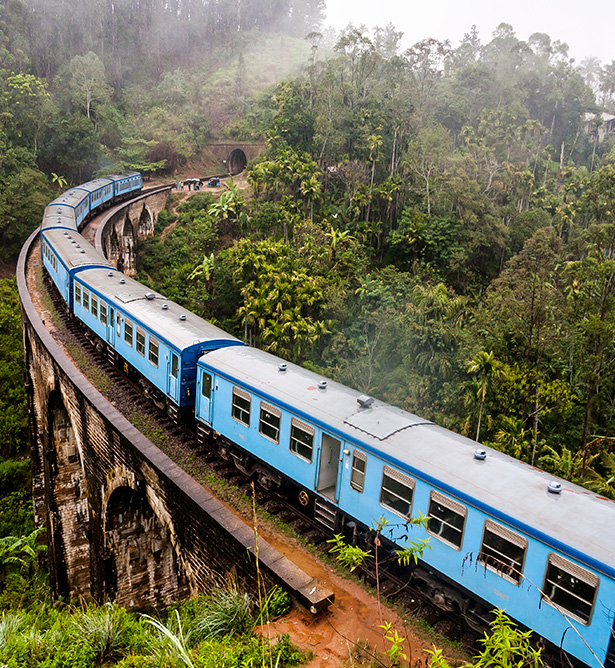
237	161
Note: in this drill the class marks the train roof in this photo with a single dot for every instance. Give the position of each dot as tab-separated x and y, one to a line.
59	216
97	184
71	198
120	177
501	485
74	250
169	321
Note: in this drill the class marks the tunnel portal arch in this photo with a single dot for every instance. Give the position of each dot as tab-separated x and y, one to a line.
237	161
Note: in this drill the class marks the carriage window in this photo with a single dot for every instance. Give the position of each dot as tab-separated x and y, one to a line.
140	342
95	306
86	300
77	293
241	406
153	351
269	424
397	491
103	313
301	439
503	551
446	519
357	475
128	332
570	587
206	385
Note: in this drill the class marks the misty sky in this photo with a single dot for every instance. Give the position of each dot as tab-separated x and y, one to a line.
587	26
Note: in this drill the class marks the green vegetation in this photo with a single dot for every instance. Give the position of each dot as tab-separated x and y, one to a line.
111	636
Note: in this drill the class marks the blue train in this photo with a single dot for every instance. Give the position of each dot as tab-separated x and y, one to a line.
502	534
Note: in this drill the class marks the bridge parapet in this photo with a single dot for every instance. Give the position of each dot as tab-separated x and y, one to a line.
124	522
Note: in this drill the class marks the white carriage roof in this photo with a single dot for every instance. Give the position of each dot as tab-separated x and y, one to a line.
91	186
170	321
74	249
71	197
58	216
576	517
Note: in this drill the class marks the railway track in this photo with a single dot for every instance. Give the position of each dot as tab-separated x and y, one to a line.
129	397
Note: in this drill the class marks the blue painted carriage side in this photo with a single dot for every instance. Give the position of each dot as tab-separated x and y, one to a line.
125	183
574	554
522	601
157	374
289	464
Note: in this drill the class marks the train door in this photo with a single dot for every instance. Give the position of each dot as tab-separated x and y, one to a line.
329	467
111	326
173	387
204	397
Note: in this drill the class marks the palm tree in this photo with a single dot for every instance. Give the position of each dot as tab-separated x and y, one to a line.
487	369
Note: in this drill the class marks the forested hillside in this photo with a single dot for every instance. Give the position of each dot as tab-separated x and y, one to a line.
434	227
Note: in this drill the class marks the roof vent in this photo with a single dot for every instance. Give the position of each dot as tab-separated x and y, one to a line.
109	273
150	295
82	251
555	487
122	281
73	241
480	454
65	232
282	366
78	245
364	401
322	384
164	307
182	317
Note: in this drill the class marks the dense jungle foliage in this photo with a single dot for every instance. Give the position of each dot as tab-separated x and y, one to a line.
434	227
431	225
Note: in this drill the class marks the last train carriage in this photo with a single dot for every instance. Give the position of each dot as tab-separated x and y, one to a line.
500	529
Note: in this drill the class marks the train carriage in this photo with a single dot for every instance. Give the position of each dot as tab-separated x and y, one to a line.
100	191
64	253
75	199
160	340
124	184
499	528
59	216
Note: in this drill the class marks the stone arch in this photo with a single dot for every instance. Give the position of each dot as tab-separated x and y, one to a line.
141	564
67	503
146	224
127	259
237	161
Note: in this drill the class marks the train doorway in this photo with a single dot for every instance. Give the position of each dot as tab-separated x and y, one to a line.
329	467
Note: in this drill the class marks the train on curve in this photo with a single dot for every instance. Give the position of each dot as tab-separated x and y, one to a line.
501	534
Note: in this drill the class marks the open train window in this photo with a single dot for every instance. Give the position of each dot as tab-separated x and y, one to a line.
128	332
396	492
94	306
103	313
503	551
269	423
301	439
140	342
86	300
241	406
77	293
446	519
570	587
153	351
357	474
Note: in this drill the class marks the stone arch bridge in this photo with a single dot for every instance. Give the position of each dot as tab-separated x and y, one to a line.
124	522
